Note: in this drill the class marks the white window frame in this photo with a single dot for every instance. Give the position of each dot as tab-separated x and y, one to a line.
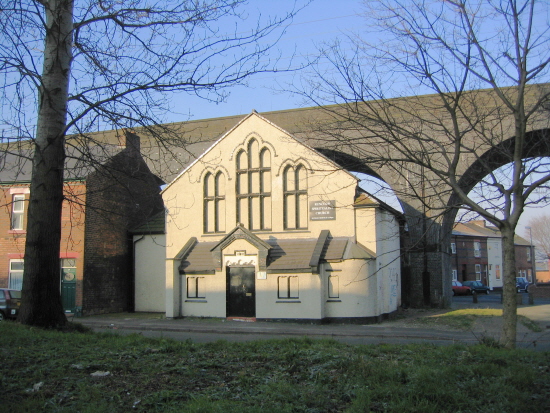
17	212
453	248
478	272
15	275
195	287
529	254
288	287
477	249
333	288
455	275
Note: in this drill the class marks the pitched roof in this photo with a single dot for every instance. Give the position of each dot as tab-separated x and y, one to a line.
155	225
285	255
237	125
480	229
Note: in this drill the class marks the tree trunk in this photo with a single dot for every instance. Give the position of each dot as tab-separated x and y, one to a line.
509	314
41	301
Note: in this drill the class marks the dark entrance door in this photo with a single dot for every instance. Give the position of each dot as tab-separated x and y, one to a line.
68	289
241	292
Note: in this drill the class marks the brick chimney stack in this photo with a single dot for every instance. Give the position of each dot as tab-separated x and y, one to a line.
132	141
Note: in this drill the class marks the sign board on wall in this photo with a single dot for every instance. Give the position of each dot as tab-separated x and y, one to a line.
322	210
241	260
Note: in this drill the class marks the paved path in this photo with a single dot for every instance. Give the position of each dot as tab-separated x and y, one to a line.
400	331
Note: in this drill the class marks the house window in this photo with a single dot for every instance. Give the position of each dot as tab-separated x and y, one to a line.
333	286
528	254
195	287
497	271
288	287
68	269
295	197
478	272
214	202
254	187
477	249
529	275
455	275
16	274
17	211
453	248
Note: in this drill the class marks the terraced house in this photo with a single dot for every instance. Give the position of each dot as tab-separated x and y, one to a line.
102	202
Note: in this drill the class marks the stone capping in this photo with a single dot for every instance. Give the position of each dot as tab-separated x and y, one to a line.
184	251
240	232
316	256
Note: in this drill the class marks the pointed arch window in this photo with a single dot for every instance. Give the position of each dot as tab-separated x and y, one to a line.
295	197
254	187
214	203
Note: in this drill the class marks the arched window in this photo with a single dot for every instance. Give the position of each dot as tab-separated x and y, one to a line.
295	197
214	203
254	187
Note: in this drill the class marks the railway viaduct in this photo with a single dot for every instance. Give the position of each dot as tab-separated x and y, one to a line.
418	145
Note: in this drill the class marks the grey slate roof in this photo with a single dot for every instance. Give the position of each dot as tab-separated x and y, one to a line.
477	229
155	225
285	255
199	259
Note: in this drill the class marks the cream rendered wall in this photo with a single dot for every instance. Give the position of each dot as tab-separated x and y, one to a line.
378	230
173	289
308	306
213	305
365	222
357	291
183	197
388	262
494	260
149	273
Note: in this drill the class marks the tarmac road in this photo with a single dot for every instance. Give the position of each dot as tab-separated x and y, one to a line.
401	331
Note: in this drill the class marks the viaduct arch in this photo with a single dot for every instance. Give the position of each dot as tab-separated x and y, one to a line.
427	272
367	144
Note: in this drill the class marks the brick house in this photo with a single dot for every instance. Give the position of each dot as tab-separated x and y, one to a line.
476	254
96	251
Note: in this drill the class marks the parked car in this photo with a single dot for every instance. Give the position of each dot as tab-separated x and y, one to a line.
477	287
459	289
521	284
10	301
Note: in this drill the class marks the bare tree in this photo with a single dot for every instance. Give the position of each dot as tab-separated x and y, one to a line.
470	69
539	232
75	67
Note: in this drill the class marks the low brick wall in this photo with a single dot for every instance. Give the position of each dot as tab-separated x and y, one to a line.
540	290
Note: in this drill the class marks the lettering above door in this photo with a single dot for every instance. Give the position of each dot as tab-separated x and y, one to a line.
240	260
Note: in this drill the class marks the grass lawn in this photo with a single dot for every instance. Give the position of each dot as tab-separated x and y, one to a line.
464	319
50	371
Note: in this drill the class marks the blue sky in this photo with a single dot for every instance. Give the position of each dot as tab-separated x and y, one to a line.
320	21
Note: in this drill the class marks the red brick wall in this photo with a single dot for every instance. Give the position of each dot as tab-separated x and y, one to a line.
465	257
12	243
120	195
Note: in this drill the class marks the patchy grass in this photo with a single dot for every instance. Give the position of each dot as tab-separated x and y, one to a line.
465	319
50	371
530	324
126	315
